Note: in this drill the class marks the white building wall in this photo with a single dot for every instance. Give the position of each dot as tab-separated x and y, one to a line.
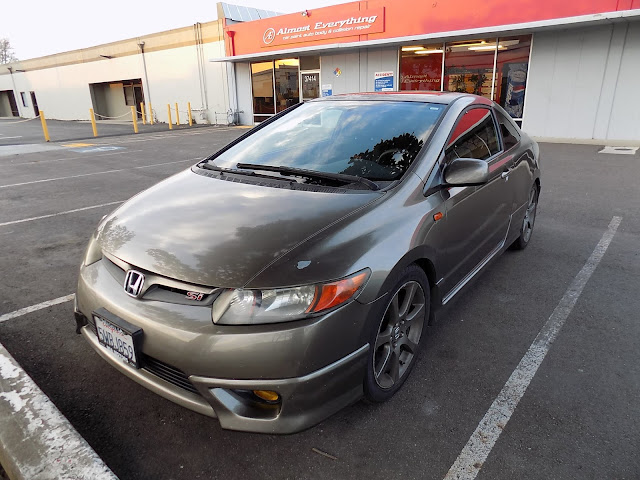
243	86
624	120
349	79
219	89
581	84
173	76
380	60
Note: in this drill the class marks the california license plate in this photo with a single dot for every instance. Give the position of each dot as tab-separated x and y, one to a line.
118	336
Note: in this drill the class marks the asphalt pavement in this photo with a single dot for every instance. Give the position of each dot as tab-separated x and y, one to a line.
22	131
578	419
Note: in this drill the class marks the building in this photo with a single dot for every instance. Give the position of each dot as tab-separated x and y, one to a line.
565	70
158	69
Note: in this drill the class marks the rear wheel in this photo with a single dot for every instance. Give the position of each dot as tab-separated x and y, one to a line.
396	339
529	219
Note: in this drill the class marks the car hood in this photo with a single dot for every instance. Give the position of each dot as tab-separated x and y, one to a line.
217	232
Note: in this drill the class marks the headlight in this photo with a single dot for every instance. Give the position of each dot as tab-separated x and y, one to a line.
93	253
251	307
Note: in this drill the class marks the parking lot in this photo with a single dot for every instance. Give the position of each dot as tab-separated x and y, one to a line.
578	419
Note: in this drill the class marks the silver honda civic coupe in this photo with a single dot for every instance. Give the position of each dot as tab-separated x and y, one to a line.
294	271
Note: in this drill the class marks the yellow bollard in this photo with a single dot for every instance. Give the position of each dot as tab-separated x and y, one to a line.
177	115
144	115
44	127
150	114
93	122
134	117
189	112
169	115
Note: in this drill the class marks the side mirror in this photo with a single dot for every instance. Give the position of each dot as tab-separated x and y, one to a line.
465	172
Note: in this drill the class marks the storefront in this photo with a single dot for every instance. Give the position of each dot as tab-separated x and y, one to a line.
502	50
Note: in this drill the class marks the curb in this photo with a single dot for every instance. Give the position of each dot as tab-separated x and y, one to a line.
36	441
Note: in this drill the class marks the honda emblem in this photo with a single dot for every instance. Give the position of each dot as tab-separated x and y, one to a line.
133	283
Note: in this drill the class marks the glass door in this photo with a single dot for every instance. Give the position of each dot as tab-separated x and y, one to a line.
310	84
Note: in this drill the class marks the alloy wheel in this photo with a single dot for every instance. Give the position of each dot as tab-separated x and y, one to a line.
399	335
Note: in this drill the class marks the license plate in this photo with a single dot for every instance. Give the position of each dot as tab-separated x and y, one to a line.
118	336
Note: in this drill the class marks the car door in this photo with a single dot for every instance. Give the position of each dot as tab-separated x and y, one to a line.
477	217
520	171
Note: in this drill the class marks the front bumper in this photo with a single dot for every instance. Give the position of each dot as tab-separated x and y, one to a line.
317	366
305	401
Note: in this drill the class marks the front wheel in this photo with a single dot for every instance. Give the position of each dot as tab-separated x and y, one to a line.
396	339
529	219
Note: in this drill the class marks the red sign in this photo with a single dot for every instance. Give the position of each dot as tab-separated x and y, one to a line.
400	18
356	22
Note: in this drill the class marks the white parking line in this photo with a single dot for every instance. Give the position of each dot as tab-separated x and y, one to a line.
13	222
34	308
77	157
475	452
97	173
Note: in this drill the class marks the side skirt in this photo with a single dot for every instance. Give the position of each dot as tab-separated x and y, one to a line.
478	267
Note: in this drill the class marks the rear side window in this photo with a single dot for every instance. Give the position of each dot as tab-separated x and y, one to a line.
510	135
474	136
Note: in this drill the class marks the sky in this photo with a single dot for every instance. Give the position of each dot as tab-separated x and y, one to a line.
42	27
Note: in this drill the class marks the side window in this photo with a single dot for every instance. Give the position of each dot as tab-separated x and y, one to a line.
510	135
474	136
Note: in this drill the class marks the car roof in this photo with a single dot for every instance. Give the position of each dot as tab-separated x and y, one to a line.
444	98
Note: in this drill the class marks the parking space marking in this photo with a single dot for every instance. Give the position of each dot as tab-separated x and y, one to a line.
36	307
36	440
13	222
475	452
75	157
98	173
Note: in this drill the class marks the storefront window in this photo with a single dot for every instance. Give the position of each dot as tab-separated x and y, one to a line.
421	67
275	86
511	73
287	86
468	66
263	97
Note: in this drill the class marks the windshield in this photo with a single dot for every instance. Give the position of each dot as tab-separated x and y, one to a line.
377	140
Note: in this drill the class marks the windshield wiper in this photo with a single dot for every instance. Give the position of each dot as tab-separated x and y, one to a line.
341	177
209	166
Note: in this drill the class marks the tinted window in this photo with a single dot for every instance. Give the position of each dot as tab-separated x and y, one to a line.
372	139
474	136
510	135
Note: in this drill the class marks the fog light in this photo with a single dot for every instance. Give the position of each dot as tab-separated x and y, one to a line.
267	395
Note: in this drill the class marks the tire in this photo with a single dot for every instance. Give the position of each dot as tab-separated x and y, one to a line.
395	339
526	229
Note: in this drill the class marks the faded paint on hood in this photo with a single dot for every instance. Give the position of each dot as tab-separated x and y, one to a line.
218	233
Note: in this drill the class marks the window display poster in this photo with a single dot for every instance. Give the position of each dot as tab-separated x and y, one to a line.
383	82
514	87
327	89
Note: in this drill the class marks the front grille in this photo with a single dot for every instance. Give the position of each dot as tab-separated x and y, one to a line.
167	373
